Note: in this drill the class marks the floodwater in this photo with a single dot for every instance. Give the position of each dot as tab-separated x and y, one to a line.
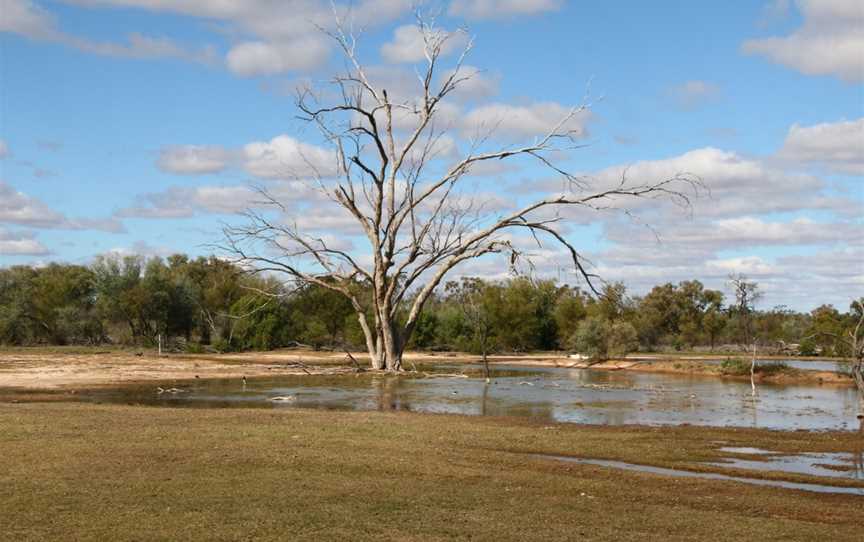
554	394
680	473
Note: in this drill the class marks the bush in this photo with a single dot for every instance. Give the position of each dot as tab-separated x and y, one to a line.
600	339
741	367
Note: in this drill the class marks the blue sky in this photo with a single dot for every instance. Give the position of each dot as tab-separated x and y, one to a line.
131	125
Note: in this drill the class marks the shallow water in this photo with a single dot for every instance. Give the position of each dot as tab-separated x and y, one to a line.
555	394
834	465
818	488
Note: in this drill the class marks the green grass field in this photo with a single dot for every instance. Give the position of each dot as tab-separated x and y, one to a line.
88	472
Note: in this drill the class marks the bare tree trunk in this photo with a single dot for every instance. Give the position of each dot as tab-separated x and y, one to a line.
753	372
375	359
858	374
485	364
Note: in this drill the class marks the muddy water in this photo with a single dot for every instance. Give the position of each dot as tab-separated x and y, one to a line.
555	394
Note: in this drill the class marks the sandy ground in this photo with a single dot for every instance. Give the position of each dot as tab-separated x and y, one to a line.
46	370
52	371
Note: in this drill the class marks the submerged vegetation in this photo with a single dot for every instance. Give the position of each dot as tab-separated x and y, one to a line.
206	304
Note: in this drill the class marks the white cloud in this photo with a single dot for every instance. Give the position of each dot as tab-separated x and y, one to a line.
144	47
20	209
284	157
737	185
751	266
523	121
26	18
273	36
253	58
495	9
739	233
476	84
837	145
694	94
408	43
142	248
830	42
20	243
193	159
185	202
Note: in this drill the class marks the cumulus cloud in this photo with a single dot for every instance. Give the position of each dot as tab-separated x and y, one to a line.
476	84
742	232
28	19
142	248
275	36
20	243
408	44
193	159
830	41
186	202
284	157
23	210
261	58
693	94
738	185
521	121
839	146
496	9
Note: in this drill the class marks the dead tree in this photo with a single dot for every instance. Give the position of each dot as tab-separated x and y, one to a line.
417	219
746	295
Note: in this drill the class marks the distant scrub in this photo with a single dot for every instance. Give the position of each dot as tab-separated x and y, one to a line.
208	304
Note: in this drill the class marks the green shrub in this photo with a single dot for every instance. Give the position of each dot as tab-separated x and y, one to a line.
741	367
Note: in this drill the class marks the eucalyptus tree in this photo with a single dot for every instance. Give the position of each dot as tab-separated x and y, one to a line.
418	222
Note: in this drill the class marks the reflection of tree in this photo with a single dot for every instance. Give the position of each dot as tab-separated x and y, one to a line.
388	394
858	459
484	397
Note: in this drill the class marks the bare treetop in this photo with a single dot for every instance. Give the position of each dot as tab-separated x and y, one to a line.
410	204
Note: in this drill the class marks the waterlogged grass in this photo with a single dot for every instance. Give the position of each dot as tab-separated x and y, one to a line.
741	367
88	472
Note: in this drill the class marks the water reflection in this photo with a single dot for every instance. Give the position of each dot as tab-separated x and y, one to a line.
556	394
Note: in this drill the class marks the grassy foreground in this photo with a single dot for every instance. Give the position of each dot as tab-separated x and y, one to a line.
88	472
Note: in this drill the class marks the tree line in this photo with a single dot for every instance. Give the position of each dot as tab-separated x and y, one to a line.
209	303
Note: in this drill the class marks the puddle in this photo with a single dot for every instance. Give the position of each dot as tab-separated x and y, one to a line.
834	465
544	393
744	450
818	488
